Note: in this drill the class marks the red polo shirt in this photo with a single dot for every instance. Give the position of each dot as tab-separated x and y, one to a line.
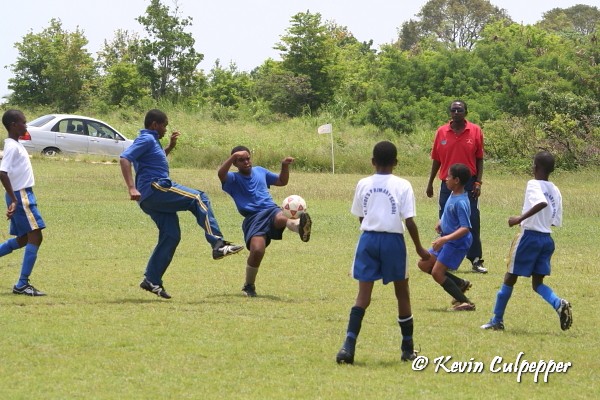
450	148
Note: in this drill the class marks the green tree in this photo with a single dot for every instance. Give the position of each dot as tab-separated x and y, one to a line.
285	92
52	68
456	22
170	59
307	49
227	87
580	18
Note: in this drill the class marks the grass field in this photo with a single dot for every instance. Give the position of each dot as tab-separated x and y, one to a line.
97	335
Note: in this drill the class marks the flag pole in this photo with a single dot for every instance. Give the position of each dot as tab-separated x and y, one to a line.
332	156
328	129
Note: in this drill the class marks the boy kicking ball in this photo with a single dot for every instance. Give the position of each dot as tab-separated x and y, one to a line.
532	249
451	247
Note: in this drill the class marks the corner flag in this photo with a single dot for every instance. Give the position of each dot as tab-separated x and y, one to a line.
327	128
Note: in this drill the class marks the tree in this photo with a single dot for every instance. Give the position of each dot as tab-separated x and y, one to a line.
455	22
307	49
170	59
285	92
124	47
227	86
52	68
580	18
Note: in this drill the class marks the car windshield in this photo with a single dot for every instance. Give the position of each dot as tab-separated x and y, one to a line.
41	120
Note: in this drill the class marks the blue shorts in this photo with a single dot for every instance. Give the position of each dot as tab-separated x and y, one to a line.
27	217
530	253
262	224
380	255
454	252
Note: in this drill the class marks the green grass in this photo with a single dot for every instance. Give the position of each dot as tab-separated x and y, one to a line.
98	335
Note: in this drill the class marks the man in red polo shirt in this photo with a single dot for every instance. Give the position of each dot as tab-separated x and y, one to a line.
460	141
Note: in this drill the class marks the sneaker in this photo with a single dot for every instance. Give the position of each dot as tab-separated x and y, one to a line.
463	288
477	266
156	289
304	227
27	290
564	312
408	352
463	307
495	326
223	248
249	290
344	357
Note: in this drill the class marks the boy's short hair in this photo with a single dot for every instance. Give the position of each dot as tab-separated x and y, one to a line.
385	154
154	115
460	171
11	116
544	160
239	148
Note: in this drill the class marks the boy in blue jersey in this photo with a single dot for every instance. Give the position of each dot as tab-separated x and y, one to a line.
382	202
263	219
533	247
451	246
26	223
161	198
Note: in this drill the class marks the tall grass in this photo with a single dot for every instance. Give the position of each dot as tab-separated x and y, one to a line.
98	335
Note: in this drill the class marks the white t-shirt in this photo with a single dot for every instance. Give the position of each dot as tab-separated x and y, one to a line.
542	192
384	202
16	163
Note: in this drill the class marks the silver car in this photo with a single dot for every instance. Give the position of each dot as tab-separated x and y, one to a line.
73	134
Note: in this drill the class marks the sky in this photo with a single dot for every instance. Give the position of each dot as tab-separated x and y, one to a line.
239	31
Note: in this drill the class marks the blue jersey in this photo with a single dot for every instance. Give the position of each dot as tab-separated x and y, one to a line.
457	212
251	193
149	161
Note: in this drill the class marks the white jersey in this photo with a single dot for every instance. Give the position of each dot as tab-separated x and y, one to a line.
384	202
16	163
542	192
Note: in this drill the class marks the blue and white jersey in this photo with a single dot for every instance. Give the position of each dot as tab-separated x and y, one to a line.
538	191
384	201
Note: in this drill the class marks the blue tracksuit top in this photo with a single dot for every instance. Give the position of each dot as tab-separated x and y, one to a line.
149	161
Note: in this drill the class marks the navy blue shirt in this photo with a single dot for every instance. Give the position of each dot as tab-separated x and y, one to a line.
149	161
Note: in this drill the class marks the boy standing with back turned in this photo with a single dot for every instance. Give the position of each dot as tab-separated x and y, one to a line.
381	202
532	249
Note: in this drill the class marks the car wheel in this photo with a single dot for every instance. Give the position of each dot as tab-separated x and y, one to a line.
50	151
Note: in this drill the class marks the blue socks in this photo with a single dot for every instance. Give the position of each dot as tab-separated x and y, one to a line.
502	298
29	258
354	325
8	247
548	295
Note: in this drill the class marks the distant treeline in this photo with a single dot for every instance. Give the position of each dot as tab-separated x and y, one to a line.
532	86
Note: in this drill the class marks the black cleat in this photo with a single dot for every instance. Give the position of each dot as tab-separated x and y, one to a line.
304	227
27	290
223	249
249	290
344	357
156	289
565	314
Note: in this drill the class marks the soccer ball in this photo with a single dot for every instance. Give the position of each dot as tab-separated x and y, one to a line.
293	206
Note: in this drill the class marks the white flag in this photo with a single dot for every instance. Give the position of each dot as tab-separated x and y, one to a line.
327	128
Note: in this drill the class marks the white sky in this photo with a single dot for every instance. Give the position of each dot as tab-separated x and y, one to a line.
240	31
